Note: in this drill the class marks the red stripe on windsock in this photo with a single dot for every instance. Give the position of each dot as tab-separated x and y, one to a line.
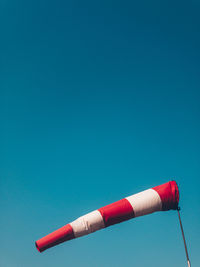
169	195
117	212
61	235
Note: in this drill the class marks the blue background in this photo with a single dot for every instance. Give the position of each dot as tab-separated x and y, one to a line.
98	101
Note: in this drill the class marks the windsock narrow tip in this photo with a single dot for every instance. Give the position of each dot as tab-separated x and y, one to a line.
37	247
59	236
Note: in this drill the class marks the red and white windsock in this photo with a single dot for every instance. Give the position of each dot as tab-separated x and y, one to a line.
160	198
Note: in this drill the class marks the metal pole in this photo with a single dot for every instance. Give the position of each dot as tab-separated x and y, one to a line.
186	251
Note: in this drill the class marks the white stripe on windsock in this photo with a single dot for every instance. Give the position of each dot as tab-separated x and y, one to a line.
145	202
87	224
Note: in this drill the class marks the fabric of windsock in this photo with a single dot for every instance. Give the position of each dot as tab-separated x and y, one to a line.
160	198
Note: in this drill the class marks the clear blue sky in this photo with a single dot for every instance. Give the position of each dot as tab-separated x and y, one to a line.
98	100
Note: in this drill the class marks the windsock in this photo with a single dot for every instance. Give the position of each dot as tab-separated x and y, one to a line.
160	198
